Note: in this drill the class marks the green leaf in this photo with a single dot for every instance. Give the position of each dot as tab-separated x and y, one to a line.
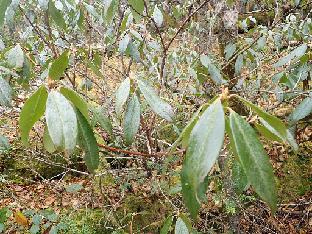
4	4
131	119
73	188
288	138
180	227
137	5
275	122
253	159
5	93
32	111
295	54
239	64
4	144
34	229
205	143
158	16
47	141
15	57
102	119
123	44
267	133
89	143
302	110
160	107
61	121
239	177
59	66
229	50
112	8
214	72
75	98
122	95
56	15
167	225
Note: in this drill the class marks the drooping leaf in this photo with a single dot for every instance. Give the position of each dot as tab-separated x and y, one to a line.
59	66
302	110
123	44
61	121
160	107
214	72
206	140
180	227
132	119
275	122
158	16
4	4
111	9
56	15
4	144
267	133
15	57
5	93
167	225
229	50
75	98
137	5
100	117
89	143
122	95
32	111
73	188
47	141
295	54
240	181
239	64
288	138
253	158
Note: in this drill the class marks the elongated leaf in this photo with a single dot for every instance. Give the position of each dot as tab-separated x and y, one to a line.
111	10
253	159
5	93
158	16
100	117
61	121
47	141
59	66
89	143
123	44
239	64
239	177
4	146
180	227
4	4
296	53
167	225
75	98
267	133
160	107
137	5
56	15
132	119
302	110
206	140
214	72
275	122
122	95
288	138
32	111
15	57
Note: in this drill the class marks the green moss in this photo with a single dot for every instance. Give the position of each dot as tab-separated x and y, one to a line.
296	178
